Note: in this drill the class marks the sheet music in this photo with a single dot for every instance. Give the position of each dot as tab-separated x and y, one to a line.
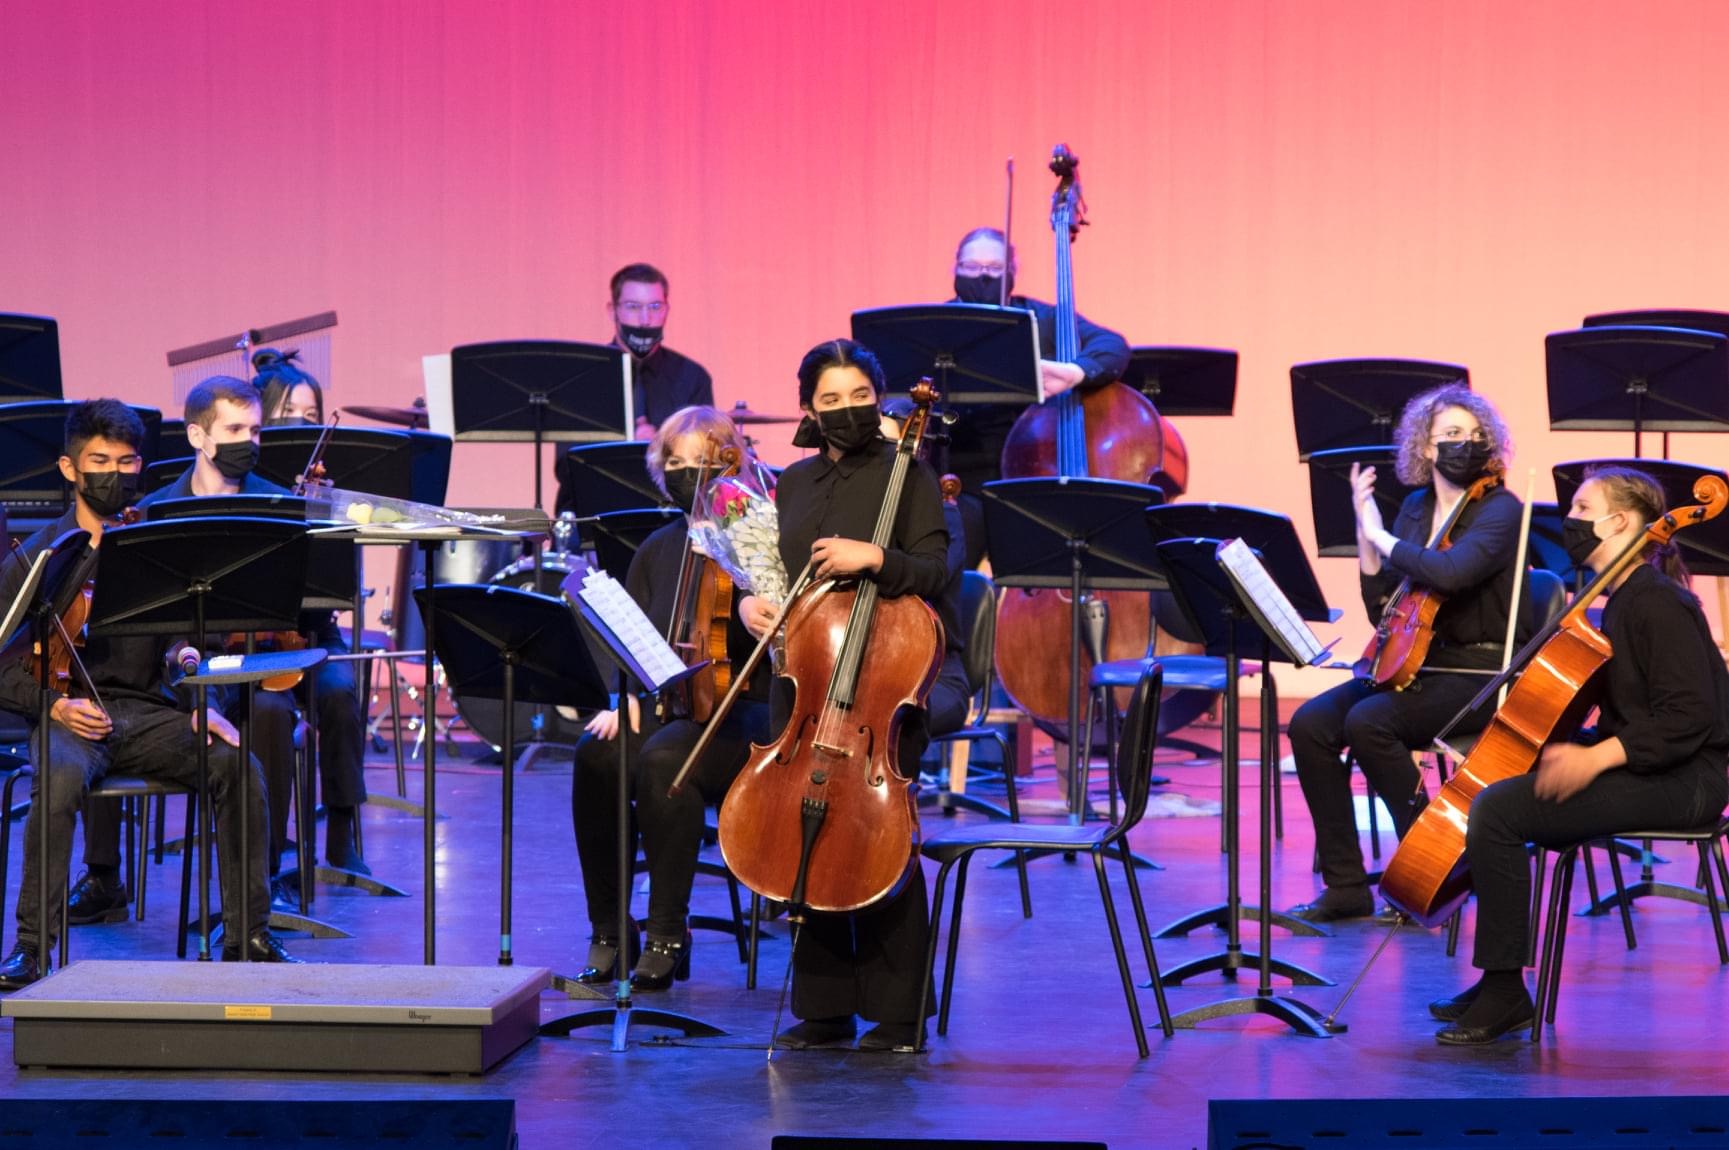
1275	608
627	622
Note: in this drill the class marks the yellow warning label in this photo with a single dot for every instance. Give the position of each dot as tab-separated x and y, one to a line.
248	1013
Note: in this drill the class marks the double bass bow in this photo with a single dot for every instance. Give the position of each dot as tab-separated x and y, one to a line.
1407	625
1427	877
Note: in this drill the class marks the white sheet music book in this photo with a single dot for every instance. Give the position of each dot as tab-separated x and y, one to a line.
1272	607
621	614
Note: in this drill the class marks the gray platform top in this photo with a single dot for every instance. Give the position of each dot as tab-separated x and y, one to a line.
267	992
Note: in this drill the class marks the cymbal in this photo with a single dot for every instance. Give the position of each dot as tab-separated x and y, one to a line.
398	416
744	416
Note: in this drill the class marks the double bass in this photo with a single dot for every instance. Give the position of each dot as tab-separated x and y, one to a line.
1107	432
822	818
1428	877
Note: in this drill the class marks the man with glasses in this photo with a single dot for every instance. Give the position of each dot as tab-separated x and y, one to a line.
663	380
985	273
1448	438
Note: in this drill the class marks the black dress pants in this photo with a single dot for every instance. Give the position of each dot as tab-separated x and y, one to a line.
1381	728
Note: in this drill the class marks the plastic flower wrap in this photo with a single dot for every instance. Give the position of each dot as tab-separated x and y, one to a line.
735	524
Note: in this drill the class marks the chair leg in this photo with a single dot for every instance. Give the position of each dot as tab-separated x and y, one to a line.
6	836
738	924
954	944
1550	926
186	853
755	938
1590	861
1146	937
1374	823
1621	899
1711	898
1561	924
161	825
1453	932
396	732
142	868
1121	955
1716	851
931	950
1542	866
1014	801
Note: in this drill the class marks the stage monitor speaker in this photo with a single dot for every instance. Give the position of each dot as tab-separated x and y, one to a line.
1479	1123
814	1142
200	1123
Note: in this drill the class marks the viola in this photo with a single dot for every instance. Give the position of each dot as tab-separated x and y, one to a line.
701	617
822	818
1428	877
1407	626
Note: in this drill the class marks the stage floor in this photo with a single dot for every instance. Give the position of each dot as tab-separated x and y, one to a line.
1039	1044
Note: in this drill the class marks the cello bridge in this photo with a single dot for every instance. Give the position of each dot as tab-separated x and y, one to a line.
829	749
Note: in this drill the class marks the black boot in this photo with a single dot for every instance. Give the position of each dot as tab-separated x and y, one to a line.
664	960
20	968
339	848
97	898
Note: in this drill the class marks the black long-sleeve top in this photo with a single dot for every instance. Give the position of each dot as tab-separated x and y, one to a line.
976	439
133	667
1667	696
653	582
1475	573
819	497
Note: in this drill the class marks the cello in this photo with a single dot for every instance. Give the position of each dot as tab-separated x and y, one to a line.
822	818
1109	432
1407	626
701	613
1427	877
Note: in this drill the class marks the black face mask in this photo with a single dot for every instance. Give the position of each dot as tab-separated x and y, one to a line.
1580	538
641	341
850	429
1462	461
981	289
236	460
108	493
681	487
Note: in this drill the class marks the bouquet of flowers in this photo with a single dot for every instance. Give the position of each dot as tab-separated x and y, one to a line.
735	524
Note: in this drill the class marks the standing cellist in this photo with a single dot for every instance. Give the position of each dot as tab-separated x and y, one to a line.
1656	759
867	963
1448	439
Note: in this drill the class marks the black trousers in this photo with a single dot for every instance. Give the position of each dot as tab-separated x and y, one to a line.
150	740
670	828
1381	728
1508	815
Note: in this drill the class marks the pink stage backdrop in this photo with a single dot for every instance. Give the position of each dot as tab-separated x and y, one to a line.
1297	180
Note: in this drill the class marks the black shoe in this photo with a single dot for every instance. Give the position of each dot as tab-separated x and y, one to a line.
903	1036
262	947
97	899
20	969
663	961
1453	1009
603	958
339	849
1518	1015
1337	904
285	893
817	1032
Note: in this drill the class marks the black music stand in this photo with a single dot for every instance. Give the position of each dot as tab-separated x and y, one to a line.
1638	379
30	620
1356	402
195	577
1687	318
1185	380
541	391
620	1015
616	536
1079	535
29	358
1705	547
413	465
1231	622
1330	494
596	478
977	353
332	584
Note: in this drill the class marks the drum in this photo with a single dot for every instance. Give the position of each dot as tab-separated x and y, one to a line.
534	723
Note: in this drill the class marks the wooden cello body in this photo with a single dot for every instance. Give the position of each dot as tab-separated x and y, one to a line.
1428	877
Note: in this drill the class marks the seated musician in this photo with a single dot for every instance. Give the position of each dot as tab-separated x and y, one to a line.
1448	438
670	827
1655	761
982	261
289	394
869	963
141	729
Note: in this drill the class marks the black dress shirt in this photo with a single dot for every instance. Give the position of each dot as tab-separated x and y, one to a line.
1667	696
1475	573
667	381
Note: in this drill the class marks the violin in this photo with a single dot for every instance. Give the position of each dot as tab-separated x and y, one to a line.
1427	876
56	665
1407	627
822	818
277	640
701	616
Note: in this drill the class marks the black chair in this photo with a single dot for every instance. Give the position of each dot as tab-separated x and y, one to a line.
1707	840
957	845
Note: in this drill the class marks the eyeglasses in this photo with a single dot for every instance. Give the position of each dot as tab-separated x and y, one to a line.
638	310
1459	434
969	268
